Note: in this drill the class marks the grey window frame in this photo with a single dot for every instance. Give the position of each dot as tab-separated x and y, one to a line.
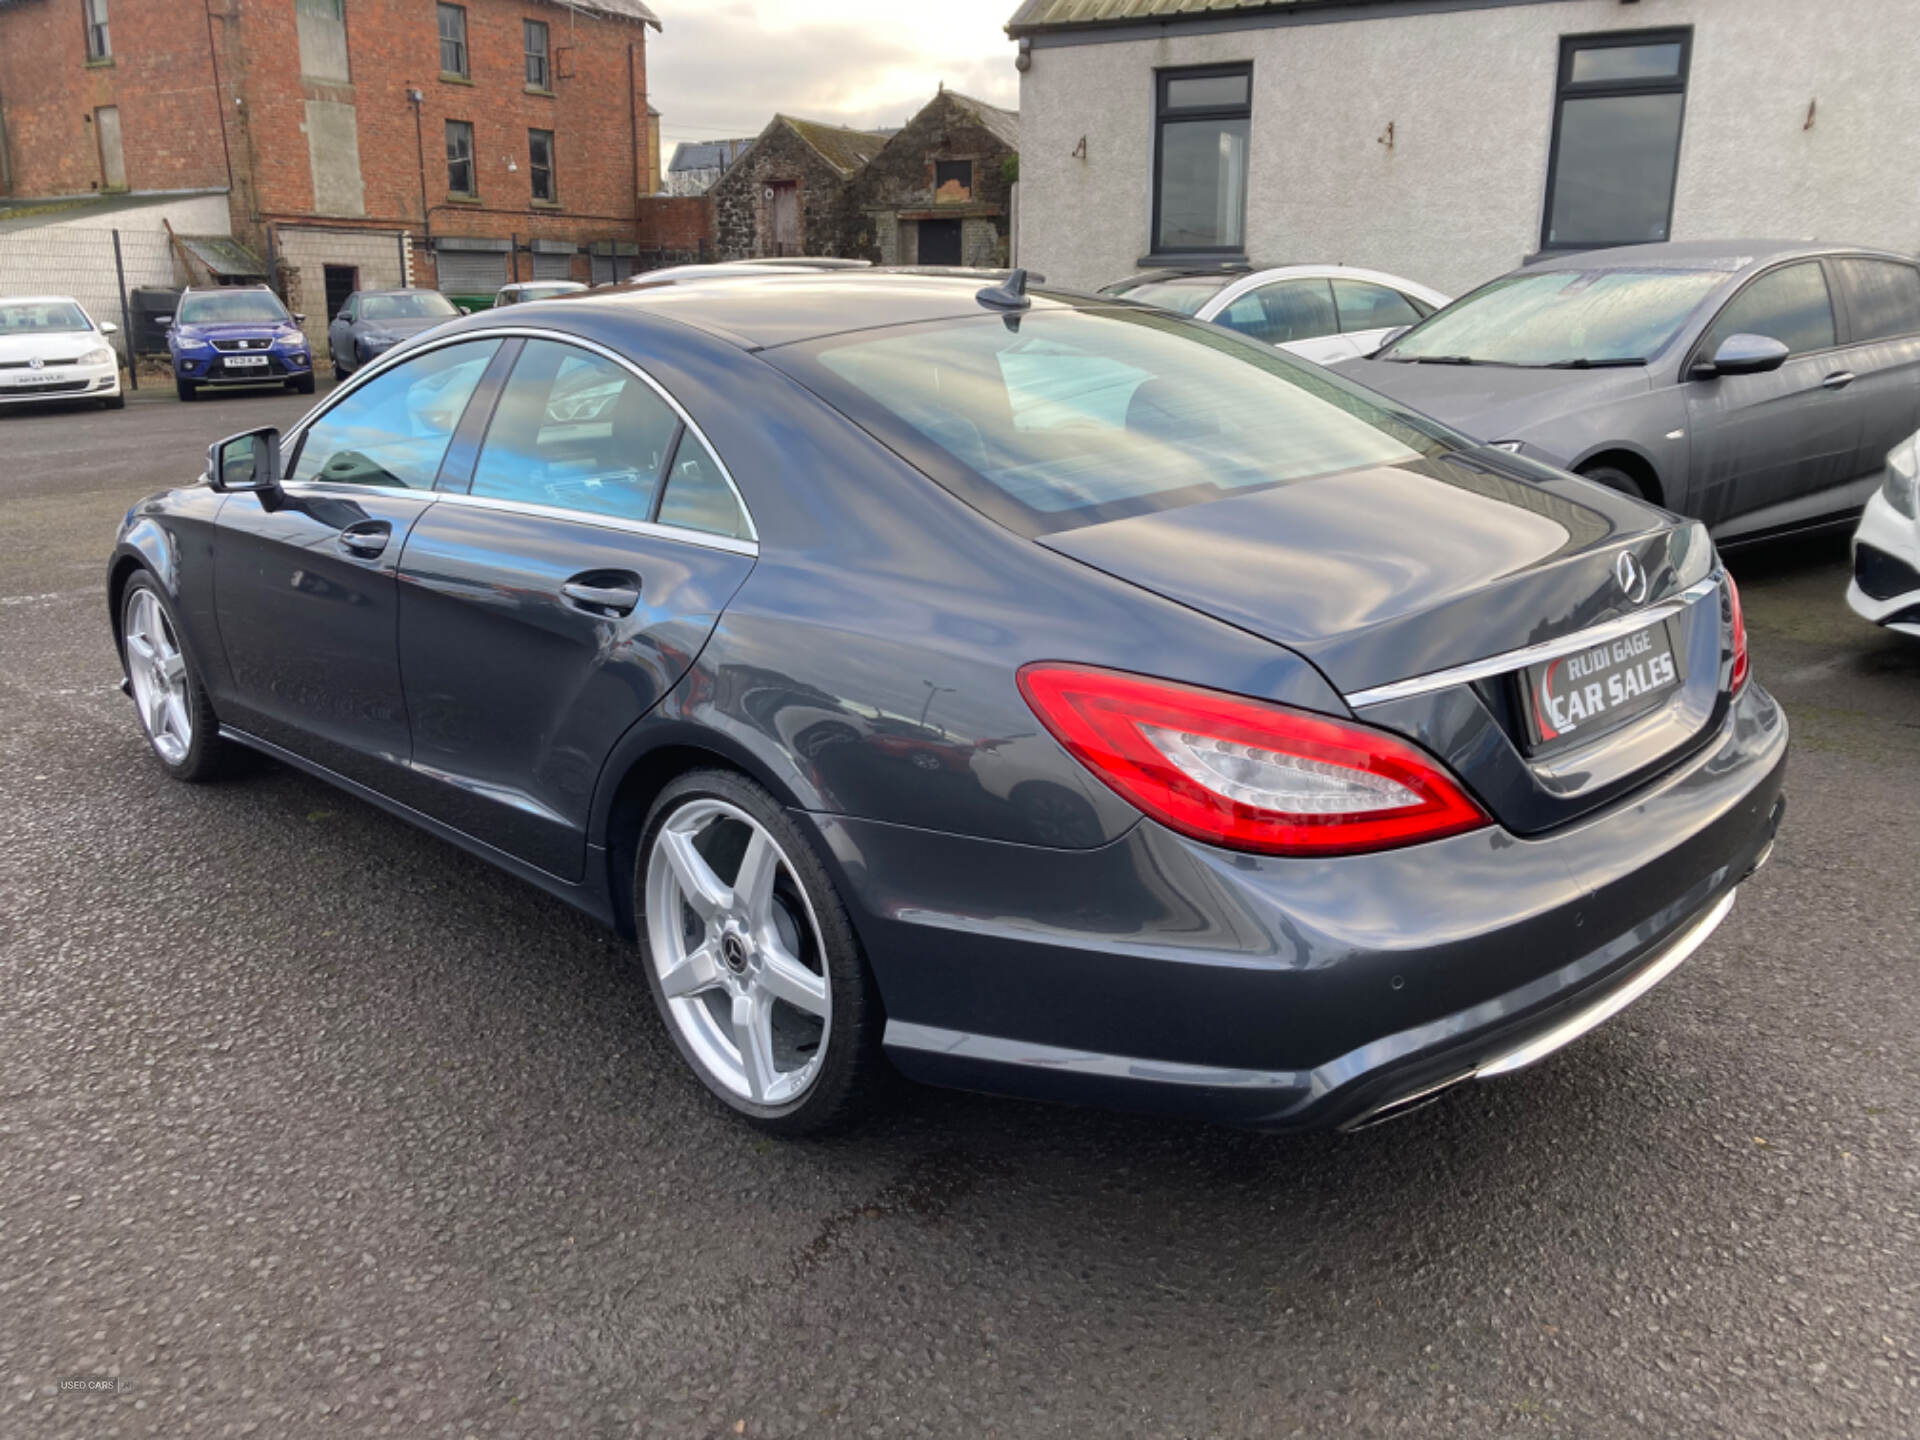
1566	88
1699	352
461	53
99	30
542	58
535	169
1163	115
473	174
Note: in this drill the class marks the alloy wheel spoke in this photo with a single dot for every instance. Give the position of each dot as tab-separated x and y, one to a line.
753	884
157	713
785	978
753	1035
697	972
174	668
704	890
141	646
177	721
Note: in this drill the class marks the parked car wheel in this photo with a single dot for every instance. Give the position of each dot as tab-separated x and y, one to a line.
114	402
167	691
340	372
186	389
303	385
1615	479
752	960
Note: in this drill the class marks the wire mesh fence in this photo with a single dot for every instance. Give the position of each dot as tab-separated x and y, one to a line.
80	263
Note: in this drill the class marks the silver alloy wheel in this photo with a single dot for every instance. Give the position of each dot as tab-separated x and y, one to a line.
740	959
159	674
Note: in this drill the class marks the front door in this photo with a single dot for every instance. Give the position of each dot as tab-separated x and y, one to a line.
1761	440
939	242
306	580
784	209
341	282
554	604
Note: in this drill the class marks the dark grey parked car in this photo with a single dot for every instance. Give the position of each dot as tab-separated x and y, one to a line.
372	322
1055	695
1755	384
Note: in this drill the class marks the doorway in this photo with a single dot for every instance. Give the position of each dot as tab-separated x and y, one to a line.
113	159
342	281
939	242
783	205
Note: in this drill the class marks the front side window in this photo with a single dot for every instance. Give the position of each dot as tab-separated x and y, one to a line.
231	307
1367	306
460	158
1883	297
540	163
1561	318
1200	165
539	71
1790	305
1081	416
99	42
1616	139
394	429
453	41
1285	311
577	431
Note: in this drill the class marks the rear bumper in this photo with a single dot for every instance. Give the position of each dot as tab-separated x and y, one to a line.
1885	587
1155	973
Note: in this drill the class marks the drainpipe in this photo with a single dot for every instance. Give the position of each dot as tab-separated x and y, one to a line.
416	98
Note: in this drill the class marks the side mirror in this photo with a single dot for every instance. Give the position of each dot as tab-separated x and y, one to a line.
166	320
107	327
1391	336
245	462
1743	355
298	318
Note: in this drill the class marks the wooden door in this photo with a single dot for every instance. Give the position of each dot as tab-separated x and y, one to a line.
785	208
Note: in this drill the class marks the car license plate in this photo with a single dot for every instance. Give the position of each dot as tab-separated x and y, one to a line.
1581	695
246	360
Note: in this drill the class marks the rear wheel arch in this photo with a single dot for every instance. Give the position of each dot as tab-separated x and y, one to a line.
1630	463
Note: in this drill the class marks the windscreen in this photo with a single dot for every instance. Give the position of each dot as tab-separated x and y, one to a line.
1184	294
1562	317
1062	418
406	307
230	307
41	317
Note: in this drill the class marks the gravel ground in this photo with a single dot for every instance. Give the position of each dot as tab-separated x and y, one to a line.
310	1125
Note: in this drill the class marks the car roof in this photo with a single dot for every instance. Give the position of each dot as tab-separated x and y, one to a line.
401	290
780	307
1731	256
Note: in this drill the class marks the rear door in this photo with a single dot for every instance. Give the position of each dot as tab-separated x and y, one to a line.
1761	440
551	603
1297	315
1369	312
305	580
1882	299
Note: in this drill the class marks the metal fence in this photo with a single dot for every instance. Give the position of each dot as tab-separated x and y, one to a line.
98	266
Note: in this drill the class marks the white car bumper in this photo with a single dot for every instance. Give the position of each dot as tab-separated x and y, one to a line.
25	386
1886	557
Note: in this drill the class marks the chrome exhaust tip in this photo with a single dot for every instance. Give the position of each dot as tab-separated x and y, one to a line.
1405	1104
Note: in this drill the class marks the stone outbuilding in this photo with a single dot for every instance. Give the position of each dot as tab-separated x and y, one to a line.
787	194
940	191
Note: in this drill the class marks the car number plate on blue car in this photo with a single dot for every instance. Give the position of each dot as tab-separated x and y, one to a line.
1578	696
246	359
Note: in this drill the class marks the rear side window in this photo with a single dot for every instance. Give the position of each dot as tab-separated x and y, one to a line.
1056	419
1883	297
1284	311
1790	305
577	431
1366	306
393	430
698	496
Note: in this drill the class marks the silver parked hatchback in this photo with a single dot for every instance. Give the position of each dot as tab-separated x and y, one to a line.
1753	384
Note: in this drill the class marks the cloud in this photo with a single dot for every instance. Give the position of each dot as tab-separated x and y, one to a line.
725	69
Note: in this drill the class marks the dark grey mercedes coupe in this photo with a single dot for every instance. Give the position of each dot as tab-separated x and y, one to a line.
1035	692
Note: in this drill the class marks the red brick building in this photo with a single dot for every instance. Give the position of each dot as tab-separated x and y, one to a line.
362	143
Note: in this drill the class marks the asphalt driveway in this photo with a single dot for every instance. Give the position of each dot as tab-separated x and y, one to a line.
311	1125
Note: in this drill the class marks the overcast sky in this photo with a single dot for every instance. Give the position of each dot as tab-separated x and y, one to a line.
723	67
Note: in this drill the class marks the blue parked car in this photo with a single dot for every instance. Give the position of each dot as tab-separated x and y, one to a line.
237	335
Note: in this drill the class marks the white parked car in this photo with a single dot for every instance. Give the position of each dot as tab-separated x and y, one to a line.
1322	313
1886	546
51	349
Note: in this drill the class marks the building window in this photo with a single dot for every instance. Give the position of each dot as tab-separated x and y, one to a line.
539	72
453	41
1200	158
460	158
99	44
540	163
1616	139
324	9
953	180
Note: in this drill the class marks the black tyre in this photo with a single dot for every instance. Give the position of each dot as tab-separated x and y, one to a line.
114	402
186	390
1615	478
303	385
752	960
168	695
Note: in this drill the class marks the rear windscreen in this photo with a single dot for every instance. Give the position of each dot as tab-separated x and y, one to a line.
1062	418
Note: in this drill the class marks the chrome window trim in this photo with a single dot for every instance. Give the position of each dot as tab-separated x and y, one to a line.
1535	654
375	368
703	538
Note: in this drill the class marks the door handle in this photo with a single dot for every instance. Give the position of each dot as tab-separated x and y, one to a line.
1839	380
367	539
608	599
